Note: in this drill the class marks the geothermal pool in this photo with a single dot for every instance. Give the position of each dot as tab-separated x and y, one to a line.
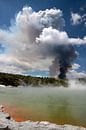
56	105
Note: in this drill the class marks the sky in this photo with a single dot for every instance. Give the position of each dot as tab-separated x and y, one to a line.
32	31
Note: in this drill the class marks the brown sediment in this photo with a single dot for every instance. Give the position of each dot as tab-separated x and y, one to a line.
15	113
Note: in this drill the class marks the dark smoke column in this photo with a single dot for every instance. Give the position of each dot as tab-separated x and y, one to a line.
66	55
62	74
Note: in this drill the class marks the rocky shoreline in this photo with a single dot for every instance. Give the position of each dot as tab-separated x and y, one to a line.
7	123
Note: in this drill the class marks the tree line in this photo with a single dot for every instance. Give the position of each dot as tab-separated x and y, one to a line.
16	80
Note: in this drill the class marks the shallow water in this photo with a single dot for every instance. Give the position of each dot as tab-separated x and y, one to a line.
57	105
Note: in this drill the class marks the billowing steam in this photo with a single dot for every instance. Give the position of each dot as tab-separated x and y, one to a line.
36	41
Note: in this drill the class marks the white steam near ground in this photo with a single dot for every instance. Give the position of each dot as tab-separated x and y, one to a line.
34	41
73	84
76	84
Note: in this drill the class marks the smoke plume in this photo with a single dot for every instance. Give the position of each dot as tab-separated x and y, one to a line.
64	57
67	55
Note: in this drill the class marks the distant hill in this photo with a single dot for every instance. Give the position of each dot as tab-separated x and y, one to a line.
16	80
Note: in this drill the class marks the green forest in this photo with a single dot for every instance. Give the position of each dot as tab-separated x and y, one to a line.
16	80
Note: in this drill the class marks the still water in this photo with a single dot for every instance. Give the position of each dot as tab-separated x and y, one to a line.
56	105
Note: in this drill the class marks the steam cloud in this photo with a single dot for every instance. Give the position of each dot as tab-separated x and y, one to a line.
36	40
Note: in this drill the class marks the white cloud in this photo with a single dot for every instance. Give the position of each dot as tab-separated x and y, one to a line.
50	35
74	74
55	37
78	19
75	66
77	41
31	40
75	18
